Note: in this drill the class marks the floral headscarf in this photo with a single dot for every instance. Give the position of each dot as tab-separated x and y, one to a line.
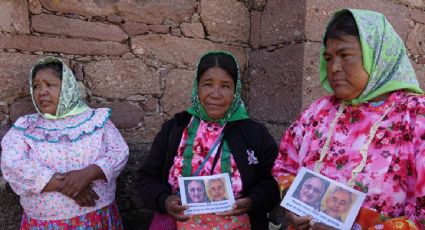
384	57
70	102
236	110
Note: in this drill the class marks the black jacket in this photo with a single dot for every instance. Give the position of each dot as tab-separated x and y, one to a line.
242	135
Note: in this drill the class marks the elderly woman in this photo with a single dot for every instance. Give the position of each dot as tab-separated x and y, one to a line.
214	136
64	160
370	134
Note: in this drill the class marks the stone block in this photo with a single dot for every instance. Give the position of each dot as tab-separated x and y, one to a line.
227	19
255	35
417	15
159	29
35	7
114	19
420	73
151	126
62	45
121	78
257	4
281	21
176	32
420	60
276	83
10	210
178	89
14	16
21	108
124	115
311	87
179	50
416	40
57	25
420	4
151	12
195	30
319	12
14	72
3	131
134	28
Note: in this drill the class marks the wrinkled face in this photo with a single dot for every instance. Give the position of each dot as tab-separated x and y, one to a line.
217	190
312	190
46	89
196	191
337	203
216	90
345	71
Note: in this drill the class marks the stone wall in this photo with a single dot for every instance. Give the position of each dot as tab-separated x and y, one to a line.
285	41
137	57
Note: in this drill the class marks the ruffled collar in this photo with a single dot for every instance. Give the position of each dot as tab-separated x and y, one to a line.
71	128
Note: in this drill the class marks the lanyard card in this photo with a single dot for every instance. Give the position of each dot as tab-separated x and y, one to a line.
324	199
206	194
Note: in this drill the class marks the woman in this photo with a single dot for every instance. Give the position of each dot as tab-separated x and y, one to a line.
196	193
370	134
217	121
64	160
311	190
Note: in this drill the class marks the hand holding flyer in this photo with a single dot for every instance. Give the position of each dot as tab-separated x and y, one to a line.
206	194
326	200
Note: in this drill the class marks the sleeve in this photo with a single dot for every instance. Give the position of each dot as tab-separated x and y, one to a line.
151	187
415	205
287	163
115	156
24	174
265	193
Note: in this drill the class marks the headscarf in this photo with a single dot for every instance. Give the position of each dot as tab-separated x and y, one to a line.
70	102
236	110
384	57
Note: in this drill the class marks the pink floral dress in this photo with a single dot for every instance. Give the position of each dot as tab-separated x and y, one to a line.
394	174
207	134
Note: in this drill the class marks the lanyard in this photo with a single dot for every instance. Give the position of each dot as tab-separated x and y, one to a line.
217	142
363	150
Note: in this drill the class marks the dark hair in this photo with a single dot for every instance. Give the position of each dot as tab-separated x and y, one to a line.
55	66
343	24
222	60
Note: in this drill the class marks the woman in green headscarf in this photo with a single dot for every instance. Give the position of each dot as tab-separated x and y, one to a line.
63	161
214	136
370	134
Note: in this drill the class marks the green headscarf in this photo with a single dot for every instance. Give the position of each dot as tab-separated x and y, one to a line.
384	57
236	110
70	102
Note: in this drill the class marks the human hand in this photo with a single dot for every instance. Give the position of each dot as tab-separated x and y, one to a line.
54	183
298	222
320	226
87	197
74	182
175	209
241	206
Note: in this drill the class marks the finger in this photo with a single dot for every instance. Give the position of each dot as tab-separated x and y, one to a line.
181	217
300	220
75	193
93	194
60	176
225	213
176	208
